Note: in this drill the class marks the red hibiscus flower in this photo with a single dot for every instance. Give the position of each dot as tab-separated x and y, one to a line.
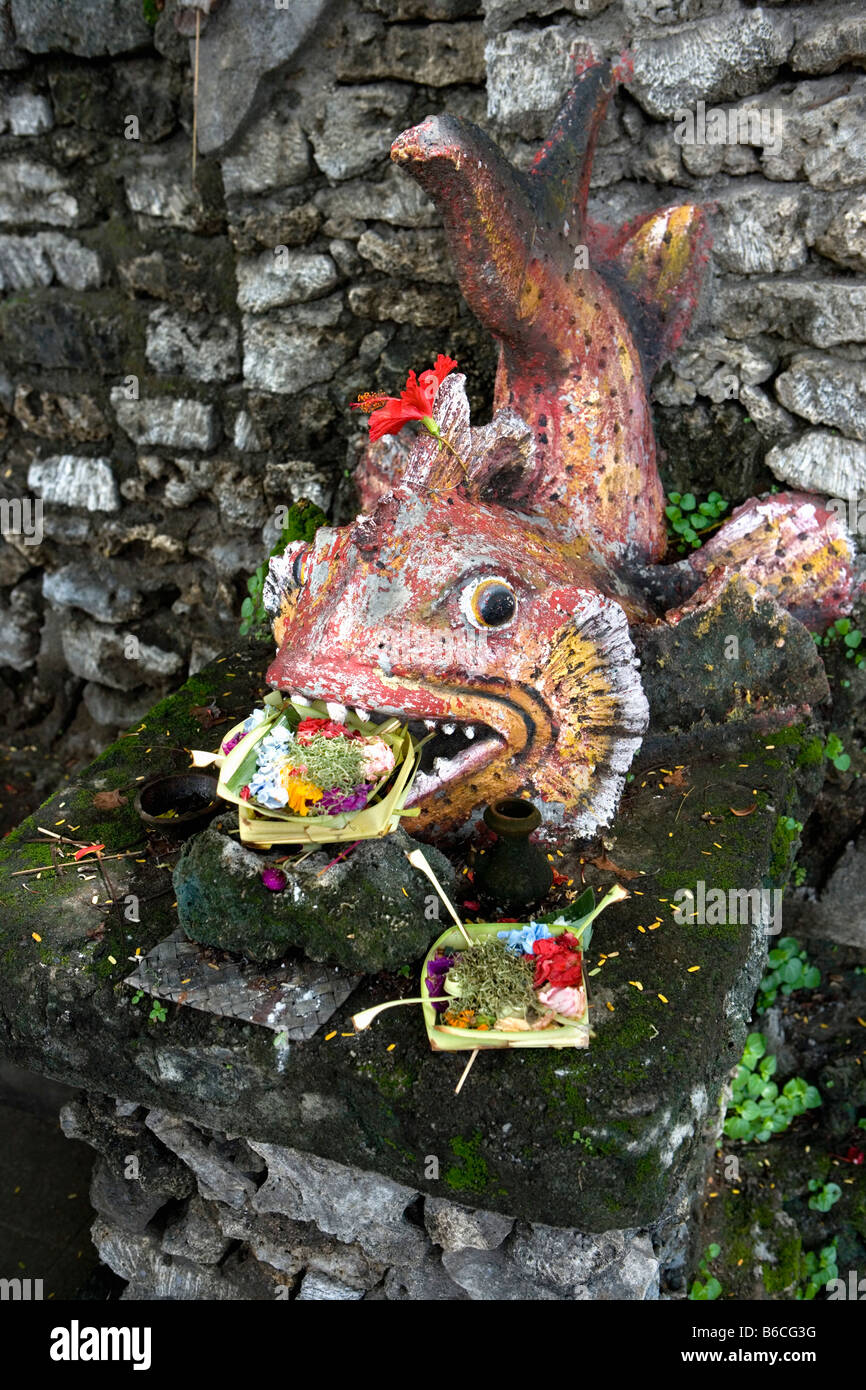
558	962
327	728
388	415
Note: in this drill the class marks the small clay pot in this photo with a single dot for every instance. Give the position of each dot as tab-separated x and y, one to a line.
513	873
192	795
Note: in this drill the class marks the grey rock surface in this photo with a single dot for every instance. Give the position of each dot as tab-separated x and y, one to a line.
821	461
243	42
826	390
290	349
175	422
281	277
203	348
354	133
345	1202
89	28
70	480
714	59
34	192
455	1227
273	153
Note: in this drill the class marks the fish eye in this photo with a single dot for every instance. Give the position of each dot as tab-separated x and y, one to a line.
489	603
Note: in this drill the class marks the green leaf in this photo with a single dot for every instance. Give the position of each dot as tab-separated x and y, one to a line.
812	1098
713	1251
842	763
755	1085
853	639
675	497
688	502
768	1066
756	1046
736	1128
811	977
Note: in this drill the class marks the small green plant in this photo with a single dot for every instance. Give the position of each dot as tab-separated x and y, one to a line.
820	1268
789	970
710	1289
158	1012
790	826
758	1109
798	875
578	1138
834	749
850	637
687	518
824	1195
303	521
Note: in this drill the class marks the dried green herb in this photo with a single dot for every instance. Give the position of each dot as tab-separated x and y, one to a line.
493	982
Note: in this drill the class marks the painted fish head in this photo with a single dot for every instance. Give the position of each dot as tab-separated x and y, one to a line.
471	622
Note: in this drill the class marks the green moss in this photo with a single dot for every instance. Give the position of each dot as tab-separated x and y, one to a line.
393	1081
786	1272
473	1174
783	847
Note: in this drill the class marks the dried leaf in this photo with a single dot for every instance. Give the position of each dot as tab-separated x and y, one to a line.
602	862
206	716
677	779
748	811
109	801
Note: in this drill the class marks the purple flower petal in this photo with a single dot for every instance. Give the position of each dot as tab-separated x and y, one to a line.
335	801
274	879
437	969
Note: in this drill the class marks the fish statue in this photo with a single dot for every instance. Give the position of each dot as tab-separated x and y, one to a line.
490	591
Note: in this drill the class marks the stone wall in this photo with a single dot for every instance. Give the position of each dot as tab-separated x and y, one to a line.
187	1214
177	356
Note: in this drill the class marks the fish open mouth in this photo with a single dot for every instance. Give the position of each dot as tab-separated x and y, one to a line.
452	748
457	749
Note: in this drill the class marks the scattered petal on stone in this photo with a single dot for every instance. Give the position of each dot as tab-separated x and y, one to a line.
274	879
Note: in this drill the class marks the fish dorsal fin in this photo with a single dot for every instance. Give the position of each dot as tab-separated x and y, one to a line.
655	264
559	176
491	463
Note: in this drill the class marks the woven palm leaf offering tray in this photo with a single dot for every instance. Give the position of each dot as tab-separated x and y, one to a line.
300	776
491	985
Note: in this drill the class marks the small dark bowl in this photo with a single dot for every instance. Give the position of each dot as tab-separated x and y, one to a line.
193	795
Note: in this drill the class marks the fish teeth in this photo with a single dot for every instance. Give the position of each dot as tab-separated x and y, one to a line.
468	730
430	724
336	711
362	714
448	728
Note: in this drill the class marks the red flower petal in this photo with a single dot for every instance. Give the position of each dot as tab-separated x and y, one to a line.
88	849
389	414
